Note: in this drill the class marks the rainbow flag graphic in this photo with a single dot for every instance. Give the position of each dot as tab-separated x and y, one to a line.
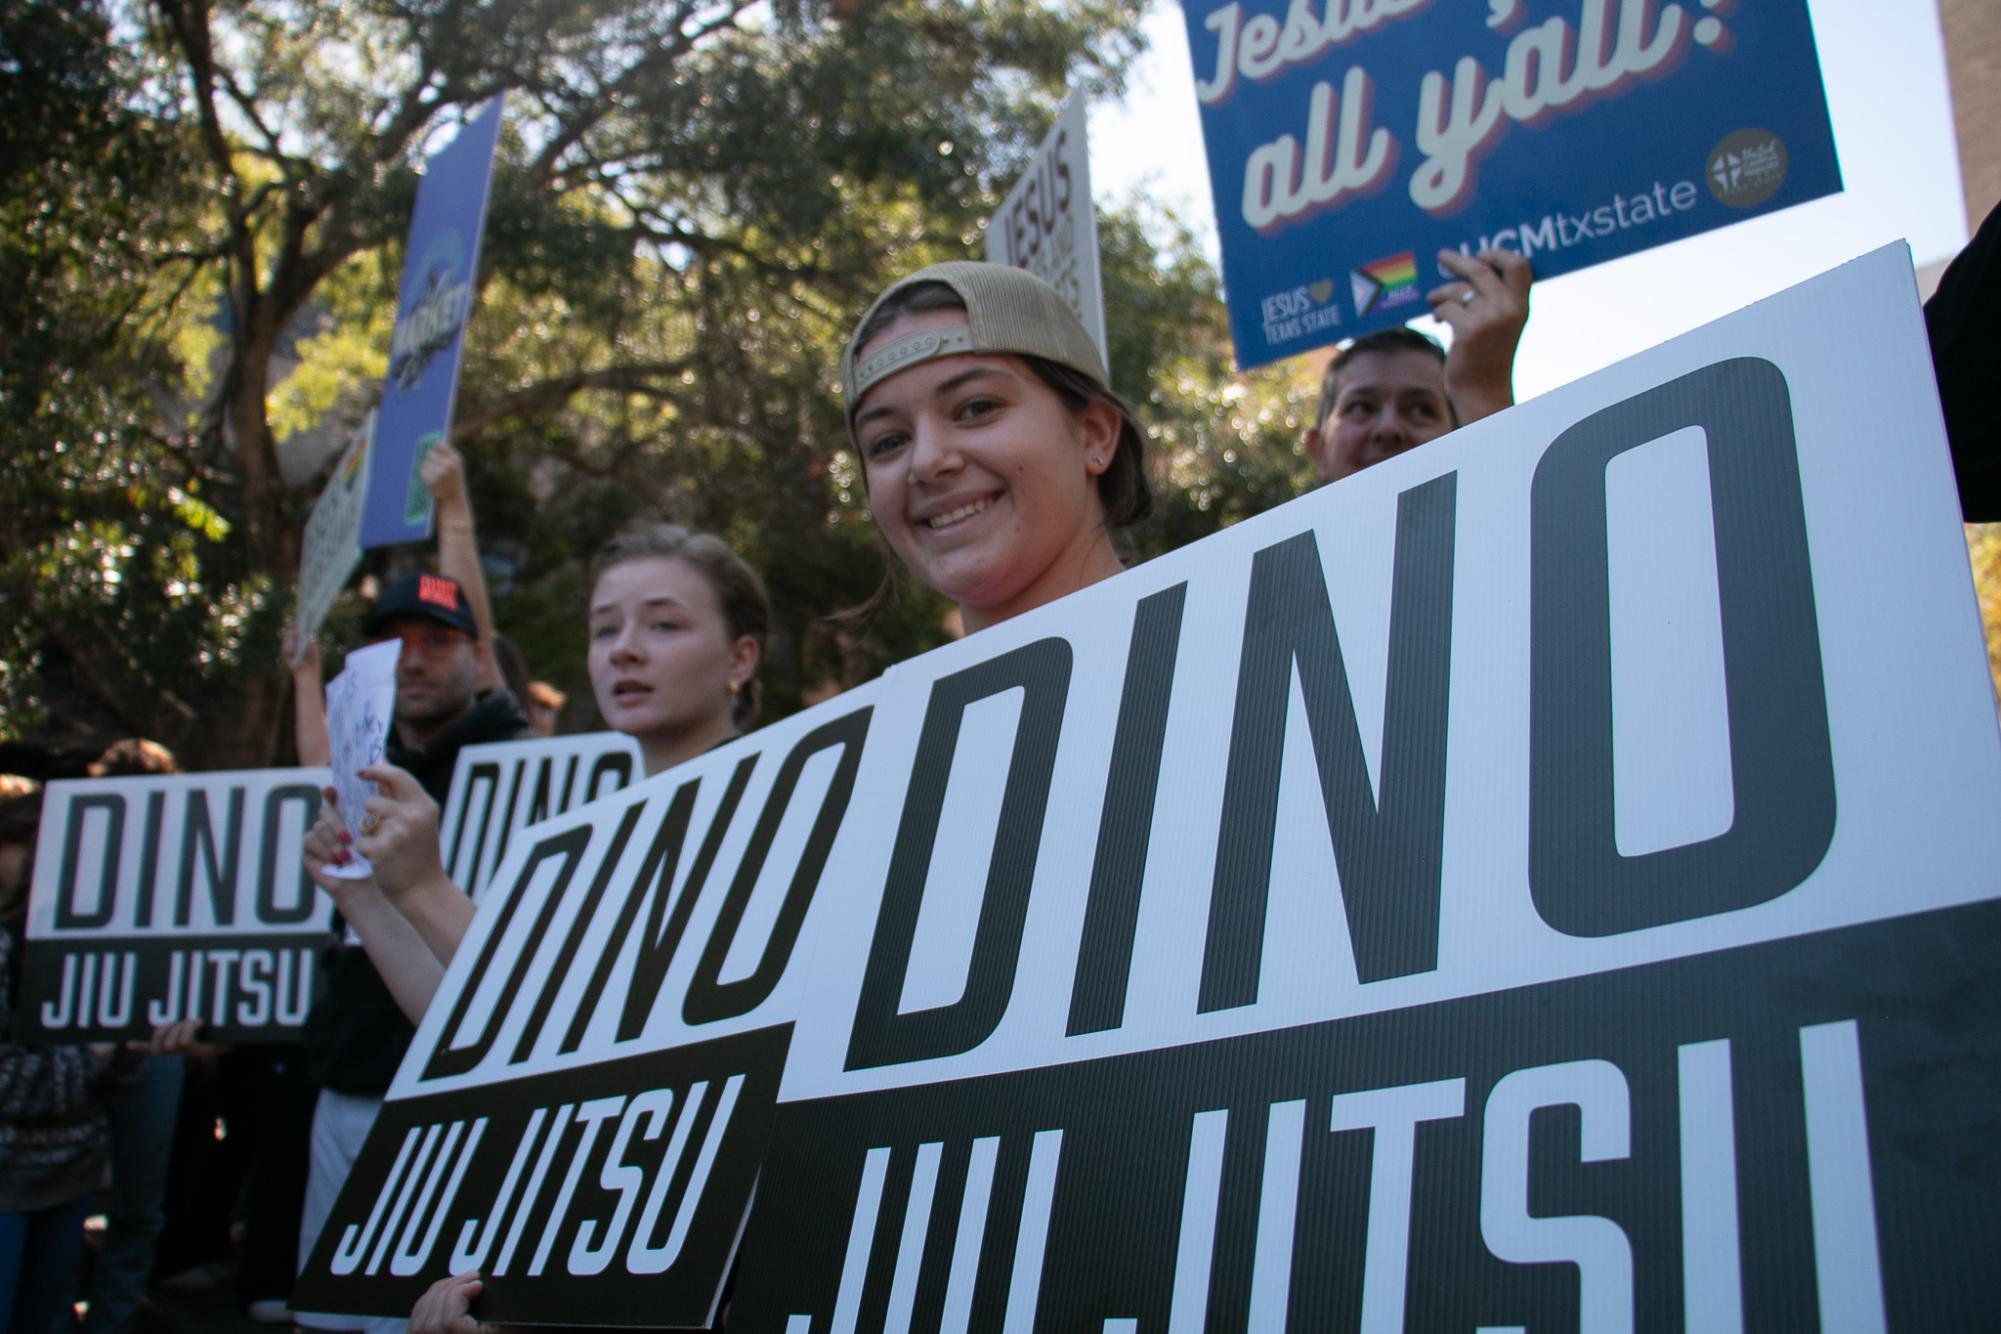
353	468
1384	284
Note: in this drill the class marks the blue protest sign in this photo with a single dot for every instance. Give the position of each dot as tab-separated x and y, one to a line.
439	266
1352	140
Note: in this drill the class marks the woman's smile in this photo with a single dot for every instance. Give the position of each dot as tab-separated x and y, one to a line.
957	514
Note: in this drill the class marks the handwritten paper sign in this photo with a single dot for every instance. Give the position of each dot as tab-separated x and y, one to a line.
1352	140
1049	226
361	702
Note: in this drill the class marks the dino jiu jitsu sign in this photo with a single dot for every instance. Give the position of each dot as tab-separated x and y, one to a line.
181	897
1543	881
501	788
611	1033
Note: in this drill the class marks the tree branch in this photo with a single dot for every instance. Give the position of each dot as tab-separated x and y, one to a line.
104	660
190	28
248	107
551	394
653	64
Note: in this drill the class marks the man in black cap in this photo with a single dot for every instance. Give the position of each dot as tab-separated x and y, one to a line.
437	677
355	1036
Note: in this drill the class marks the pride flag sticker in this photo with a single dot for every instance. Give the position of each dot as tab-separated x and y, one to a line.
1384	284
355	458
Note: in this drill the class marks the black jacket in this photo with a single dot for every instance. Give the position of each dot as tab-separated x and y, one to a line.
355	1036
1964	321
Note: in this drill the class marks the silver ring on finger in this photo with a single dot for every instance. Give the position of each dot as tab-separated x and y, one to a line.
1466	297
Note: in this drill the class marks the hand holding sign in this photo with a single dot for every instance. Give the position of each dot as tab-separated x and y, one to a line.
394	842
399	830
1487	310
444	475
327	846
185	1039
359	705
301	652
446	1308
399	837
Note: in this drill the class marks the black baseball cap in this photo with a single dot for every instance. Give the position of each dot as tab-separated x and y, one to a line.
437	596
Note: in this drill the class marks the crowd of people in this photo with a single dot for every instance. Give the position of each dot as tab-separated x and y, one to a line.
1000	469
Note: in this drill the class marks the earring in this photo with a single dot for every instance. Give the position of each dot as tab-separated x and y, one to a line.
733	689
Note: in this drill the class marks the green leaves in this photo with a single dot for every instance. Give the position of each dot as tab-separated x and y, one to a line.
200	239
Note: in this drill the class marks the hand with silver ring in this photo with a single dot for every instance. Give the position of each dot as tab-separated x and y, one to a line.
399	830
1486	305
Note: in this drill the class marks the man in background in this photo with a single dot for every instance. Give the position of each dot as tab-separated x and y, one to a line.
1396	389
355	1036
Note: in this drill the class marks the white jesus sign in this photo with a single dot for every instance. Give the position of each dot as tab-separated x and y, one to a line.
1048	225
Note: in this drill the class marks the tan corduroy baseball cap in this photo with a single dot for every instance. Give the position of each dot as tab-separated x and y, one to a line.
1007	310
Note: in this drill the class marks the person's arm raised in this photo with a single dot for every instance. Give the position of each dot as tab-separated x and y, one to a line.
443	471
1487	308
309	699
